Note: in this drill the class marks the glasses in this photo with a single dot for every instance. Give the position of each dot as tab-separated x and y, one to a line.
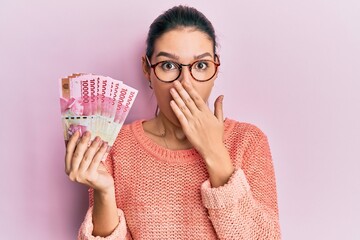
169	71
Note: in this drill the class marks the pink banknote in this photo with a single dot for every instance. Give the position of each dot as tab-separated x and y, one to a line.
124	104
94	103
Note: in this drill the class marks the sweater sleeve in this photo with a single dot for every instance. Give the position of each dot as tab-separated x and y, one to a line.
120	232
246	207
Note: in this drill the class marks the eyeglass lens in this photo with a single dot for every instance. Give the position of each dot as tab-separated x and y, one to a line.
200	70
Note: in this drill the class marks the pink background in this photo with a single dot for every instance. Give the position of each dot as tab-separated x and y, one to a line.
290	67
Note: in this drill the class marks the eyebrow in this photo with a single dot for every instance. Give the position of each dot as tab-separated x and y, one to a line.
203	55
173	56
169	55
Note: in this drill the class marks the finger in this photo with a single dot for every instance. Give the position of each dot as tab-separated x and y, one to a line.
185	97
70	147
89	154
102	166
180	103
218	108
97	158
197	99
179	114
80	150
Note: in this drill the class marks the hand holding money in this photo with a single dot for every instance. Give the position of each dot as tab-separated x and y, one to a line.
83	162
93	110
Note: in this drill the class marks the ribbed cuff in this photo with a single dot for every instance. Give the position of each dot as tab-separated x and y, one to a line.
225	196
87	227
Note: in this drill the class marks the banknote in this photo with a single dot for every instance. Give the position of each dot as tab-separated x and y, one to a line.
95	103
109	102
125	102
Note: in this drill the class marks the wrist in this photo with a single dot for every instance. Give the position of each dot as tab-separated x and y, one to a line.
219	166
215	154
104	195
105	215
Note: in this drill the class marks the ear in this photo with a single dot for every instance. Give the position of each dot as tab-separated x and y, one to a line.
145	68
217	60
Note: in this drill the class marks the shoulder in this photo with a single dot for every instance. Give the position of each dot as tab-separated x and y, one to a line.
243	131
127	127
242	139
131	127
128	132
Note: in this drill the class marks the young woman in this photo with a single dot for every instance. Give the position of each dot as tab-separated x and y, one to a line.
188	173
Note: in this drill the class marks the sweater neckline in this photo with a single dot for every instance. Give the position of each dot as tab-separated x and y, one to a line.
185	156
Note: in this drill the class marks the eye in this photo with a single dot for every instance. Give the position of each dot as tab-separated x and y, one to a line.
168	66
202	65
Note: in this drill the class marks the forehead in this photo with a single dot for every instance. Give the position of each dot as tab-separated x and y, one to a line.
184	42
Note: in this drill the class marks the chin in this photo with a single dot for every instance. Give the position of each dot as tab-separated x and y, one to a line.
174	120
176	123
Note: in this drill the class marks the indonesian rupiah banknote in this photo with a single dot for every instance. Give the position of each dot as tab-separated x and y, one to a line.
94	103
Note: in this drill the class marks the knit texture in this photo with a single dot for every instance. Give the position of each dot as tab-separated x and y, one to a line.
166	194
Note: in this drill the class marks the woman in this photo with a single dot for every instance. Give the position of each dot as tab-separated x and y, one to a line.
187	173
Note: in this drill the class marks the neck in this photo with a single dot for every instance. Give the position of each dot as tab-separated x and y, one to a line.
169	130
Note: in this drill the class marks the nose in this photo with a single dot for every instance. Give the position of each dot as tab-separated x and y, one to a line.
185	73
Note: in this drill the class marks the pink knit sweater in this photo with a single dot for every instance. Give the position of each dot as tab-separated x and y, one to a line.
166	194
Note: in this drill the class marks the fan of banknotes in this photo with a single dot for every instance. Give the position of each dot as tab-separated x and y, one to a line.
94	103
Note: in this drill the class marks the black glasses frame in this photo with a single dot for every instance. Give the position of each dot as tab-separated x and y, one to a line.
153	66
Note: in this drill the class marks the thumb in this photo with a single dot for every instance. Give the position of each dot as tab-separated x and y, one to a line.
218	108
